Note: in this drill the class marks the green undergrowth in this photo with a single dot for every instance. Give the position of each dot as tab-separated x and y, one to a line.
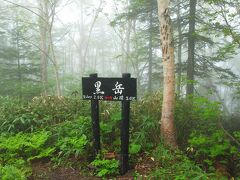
39	113
105	167
10	172
174	164
59	131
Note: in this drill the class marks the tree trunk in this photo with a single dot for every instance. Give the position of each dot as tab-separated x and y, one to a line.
19	61
179	51
150	49
55	67
166	38
82	40
50	20
128	34
191	48
126	42
98	11
43	43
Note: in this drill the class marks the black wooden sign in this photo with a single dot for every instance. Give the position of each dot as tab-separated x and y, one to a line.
109	89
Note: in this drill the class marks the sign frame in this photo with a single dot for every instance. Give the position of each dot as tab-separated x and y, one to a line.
125	91
109	89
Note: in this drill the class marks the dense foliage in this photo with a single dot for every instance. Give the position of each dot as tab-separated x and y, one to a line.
58	130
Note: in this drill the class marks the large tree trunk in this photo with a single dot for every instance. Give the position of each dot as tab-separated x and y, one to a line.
191	48
150	48
166	38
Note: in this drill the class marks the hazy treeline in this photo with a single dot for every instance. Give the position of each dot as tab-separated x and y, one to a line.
48	45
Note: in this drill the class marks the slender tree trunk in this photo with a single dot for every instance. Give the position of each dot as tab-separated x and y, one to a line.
64	69
123	57
179	51
103	60
90	32
43	43
19	62
81	46
191	48
51	46
55	67
126	45
128	34
135	44
150	50
166	38
95	59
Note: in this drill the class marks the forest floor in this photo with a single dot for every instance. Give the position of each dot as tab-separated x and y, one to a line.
45	170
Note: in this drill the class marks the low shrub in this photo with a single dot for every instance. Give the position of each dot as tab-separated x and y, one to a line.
16	116
105	167
173	164
27	146
72	139
10	172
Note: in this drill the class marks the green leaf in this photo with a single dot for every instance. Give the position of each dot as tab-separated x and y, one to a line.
134	148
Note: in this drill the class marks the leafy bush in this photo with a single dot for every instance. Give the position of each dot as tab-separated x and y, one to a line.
41	112
213	148
199	129
79	126
175	165
9	110
24	146
72	146
105	167
144	123
72	139
10	172
134	148
145	117
194	113
110	119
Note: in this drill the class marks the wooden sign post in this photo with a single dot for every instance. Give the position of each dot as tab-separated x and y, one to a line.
95	121
111	89
124	133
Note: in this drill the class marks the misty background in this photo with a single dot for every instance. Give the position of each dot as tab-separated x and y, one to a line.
47	46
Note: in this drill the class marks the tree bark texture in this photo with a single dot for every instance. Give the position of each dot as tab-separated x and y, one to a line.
166	38
179	51
191	48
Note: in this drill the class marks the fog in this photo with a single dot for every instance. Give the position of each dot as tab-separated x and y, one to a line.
69	109
48	46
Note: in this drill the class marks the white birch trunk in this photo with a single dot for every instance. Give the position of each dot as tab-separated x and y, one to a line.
166	38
